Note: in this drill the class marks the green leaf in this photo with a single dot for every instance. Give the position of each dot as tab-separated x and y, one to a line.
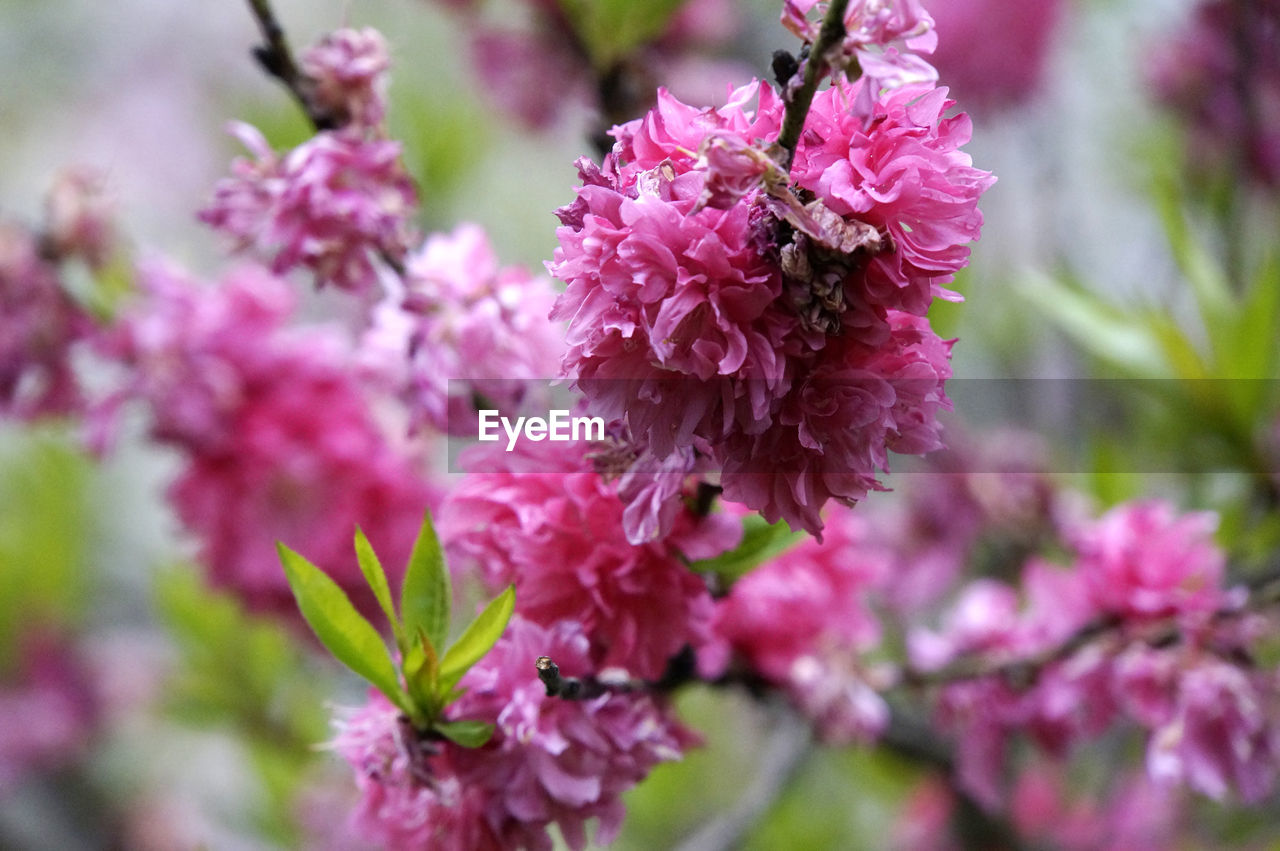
421	671
425	595
349	637
612	29
477	639
761	541
371	567
469	734
1112	334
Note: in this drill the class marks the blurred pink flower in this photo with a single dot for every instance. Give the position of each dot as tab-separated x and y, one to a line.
458	328
801	620
1144	560
978	76
347	74
1221	76
40	325
48	709
333	205
278	439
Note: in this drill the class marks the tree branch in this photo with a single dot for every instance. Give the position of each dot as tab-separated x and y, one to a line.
276	58
815	67
1264	592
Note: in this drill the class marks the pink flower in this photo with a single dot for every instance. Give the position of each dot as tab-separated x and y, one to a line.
78	217
982	77
1215	728
542	518
48	710
278	440
882	37
347	73
1143	560
332	205
835	427
551	761
897	166
1221	76
40	325
462	328
801	619
710	309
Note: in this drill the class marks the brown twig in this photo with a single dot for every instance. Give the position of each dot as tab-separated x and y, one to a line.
814	67
276	58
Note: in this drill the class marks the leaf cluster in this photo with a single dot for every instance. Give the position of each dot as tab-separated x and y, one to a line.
426	679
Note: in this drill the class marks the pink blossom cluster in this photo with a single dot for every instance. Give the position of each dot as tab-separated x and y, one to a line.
40	325
347	76
332	205
278	439
341	202
1221	76
802	621
550	761
48	709
457	328
786	338
541	517
536	71
1142	573
883	39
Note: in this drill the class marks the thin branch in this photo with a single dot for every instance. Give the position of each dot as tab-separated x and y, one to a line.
815	68
1264	592
276	58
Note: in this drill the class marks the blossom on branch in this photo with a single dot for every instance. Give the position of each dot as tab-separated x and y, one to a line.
542	518
334	205
550	761
774	320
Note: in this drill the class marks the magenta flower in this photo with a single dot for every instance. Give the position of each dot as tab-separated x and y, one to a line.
347	74
899	167
551	761
541	517
1143	560
1223	732
802	619
883	38
40	325
1221	76
709	309
48	709
333	205
461	328
278	440
981	77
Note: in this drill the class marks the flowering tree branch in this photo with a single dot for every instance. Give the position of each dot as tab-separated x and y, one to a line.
814	67
1264	592
276	58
